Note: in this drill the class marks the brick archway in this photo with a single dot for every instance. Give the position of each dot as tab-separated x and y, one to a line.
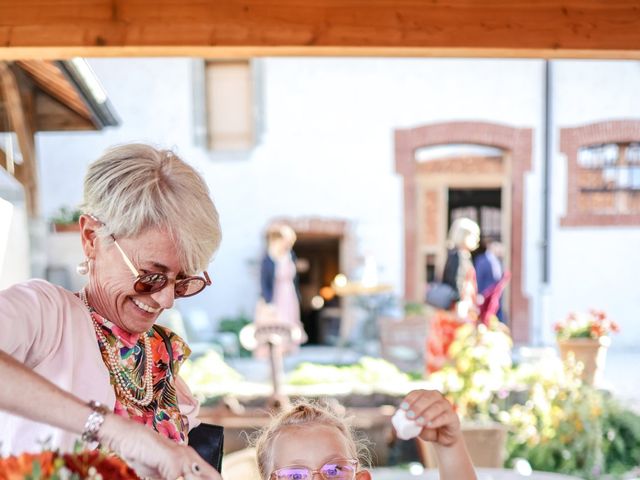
517	145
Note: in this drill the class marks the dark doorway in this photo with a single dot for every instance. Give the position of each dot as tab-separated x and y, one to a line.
319	263
484	206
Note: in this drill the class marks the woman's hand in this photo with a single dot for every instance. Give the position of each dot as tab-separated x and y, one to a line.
152	455
429	409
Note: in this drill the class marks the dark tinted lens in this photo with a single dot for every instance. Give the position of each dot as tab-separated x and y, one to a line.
150	283
293	473
189	286
338	471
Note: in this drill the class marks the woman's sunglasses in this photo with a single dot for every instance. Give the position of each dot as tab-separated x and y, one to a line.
148	283
334	470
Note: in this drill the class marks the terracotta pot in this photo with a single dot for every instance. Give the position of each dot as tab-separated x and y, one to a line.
591	353
66	227
485	442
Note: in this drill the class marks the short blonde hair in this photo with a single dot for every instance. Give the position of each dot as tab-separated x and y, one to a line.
461	228
304	413
134	187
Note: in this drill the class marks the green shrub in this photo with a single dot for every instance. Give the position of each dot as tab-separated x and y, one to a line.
234	325
66	216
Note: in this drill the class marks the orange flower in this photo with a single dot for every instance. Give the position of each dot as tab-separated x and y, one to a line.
17	468
22	466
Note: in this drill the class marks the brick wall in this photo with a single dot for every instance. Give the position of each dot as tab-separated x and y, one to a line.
597	209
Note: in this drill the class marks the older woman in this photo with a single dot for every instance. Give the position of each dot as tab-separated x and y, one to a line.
148	232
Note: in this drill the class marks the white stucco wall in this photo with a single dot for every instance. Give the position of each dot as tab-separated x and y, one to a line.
327	150
593	267
14	233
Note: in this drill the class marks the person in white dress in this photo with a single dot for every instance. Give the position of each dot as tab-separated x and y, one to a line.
280	301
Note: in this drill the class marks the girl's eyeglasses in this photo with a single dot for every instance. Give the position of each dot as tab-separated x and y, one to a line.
334	470
148	283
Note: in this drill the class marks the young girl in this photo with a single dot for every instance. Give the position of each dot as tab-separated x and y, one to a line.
310	439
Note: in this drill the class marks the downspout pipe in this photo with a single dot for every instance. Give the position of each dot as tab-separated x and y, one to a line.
546	182
545	277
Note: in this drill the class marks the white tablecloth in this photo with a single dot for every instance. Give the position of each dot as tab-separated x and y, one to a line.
483	474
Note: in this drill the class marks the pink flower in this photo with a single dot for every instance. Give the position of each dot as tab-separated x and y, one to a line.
169	430
592	324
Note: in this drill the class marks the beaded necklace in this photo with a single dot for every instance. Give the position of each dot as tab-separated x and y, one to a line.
124	381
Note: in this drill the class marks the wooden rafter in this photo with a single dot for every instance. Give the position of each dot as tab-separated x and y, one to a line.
516	28
51	80
19	111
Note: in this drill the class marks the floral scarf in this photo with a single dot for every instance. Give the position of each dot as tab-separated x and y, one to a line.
163	413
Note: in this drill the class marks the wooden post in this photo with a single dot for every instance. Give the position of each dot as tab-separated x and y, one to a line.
20	115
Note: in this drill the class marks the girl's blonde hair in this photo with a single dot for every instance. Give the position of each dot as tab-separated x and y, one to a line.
134	187
301	414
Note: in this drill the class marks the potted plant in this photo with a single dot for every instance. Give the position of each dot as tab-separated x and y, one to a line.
66	219
567	426
583	339
475	380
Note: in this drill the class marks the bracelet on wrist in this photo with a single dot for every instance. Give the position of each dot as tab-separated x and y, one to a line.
94	422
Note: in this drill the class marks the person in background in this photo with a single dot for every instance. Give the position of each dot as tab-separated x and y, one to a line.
280	297
310	440
459	273
92	364
488	266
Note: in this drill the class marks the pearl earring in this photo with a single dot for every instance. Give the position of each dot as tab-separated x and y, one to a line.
83	267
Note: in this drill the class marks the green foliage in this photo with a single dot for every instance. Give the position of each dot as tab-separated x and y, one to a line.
621	440
234	325
368	371
414	308
208	375
66	216
575	429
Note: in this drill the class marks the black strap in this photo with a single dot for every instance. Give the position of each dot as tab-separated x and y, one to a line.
167	343
206	439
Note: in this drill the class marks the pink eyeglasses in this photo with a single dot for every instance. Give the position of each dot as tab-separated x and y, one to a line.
333	470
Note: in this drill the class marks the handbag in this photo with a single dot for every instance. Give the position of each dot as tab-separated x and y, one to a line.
441	295
206	439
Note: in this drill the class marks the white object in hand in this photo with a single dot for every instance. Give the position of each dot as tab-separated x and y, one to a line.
405	428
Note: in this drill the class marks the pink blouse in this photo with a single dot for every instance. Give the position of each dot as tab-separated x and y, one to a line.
50	330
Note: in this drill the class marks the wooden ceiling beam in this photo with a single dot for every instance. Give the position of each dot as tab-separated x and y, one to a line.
222	28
